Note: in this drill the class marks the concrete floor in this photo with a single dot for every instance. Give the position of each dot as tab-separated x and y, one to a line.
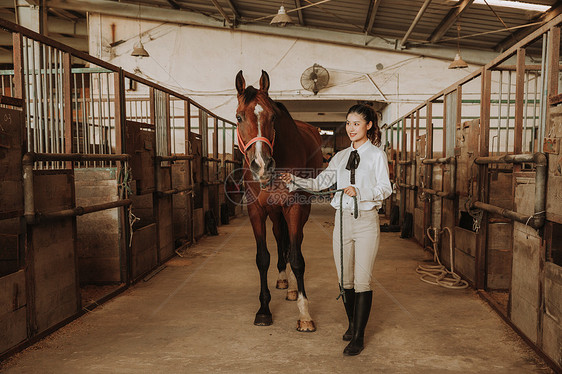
196	316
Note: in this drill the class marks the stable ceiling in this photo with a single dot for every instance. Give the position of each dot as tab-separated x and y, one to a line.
422	27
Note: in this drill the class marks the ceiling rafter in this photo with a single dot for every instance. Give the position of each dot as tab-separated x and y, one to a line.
299	12
174	5
554	11
234	10
222	12
449	20
415	22
371	15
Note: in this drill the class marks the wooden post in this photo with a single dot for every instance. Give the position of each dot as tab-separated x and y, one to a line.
553	72
403	171
188	169
459	107
67	115
120	123
553	64
168	125
427	208
483	179
443	154
519	102
19	91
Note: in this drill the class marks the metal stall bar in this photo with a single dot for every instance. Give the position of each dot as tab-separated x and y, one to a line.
539	159
452	161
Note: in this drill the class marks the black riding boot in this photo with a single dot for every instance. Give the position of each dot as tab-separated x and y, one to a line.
349	304
363	302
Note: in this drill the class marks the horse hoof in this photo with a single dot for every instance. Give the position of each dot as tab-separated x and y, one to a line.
282	284
306	326
291	296
263	320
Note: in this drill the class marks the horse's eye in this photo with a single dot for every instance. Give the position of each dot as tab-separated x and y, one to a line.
238	118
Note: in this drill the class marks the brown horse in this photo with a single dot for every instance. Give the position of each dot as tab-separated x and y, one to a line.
271	140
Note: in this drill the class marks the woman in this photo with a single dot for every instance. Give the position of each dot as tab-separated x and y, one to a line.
362	171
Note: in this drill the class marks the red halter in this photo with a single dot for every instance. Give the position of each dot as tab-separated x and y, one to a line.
244	147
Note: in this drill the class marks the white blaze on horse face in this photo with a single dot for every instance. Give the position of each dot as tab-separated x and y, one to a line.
259	156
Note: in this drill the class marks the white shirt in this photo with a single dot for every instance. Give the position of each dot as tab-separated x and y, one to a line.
372	183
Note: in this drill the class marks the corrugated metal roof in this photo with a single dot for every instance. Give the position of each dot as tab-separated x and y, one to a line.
392	19
389	19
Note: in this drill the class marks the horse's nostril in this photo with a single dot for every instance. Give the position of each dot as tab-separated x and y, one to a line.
270	164
254	165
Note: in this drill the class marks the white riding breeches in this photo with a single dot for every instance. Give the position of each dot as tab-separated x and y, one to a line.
361	239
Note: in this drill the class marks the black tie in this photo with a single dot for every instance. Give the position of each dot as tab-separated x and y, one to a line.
352	164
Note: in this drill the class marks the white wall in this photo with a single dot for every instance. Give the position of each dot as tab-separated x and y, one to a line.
202	63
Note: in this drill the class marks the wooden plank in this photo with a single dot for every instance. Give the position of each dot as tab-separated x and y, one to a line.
55	272
144	250
11	196
165	229
52	191
499	256
19	92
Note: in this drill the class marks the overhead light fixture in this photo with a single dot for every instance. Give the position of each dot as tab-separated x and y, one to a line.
281	19
139	51
458	62
138	48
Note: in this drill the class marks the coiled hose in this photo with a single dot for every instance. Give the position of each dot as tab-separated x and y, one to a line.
438	274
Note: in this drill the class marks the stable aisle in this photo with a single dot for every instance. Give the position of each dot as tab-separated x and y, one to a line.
196	316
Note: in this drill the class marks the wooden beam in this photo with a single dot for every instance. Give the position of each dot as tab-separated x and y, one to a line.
509	41
234	10
415	22
371	15
299	12
449	20
174	5
65	15
222	12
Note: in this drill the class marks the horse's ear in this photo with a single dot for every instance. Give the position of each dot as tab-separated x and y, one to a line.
240	83
264	81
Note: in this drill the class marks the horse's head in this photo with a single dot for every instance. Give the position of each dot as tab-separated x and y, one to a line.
256	115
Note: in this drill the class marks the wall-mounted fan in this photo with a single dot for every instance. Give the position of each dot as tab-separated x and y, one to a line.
315	78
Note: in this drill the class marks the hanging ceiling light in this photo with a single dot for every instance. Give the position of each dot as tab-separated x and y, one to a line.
138	48
139	51
281	19
458	62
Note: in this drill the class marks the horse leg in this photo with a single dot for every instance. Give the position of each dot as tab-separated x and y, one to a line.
296	259
263	316
292	291
282	237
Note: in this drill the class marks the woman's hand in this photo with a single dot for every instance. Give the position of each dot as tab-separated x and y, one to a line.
286	177
350	190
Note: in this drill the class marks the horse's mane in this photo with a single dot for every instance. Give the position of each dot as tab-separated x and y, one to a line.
283	108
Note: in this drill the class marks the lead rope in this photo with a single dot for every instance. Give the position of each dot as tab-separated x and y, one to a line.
124	185
355	215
